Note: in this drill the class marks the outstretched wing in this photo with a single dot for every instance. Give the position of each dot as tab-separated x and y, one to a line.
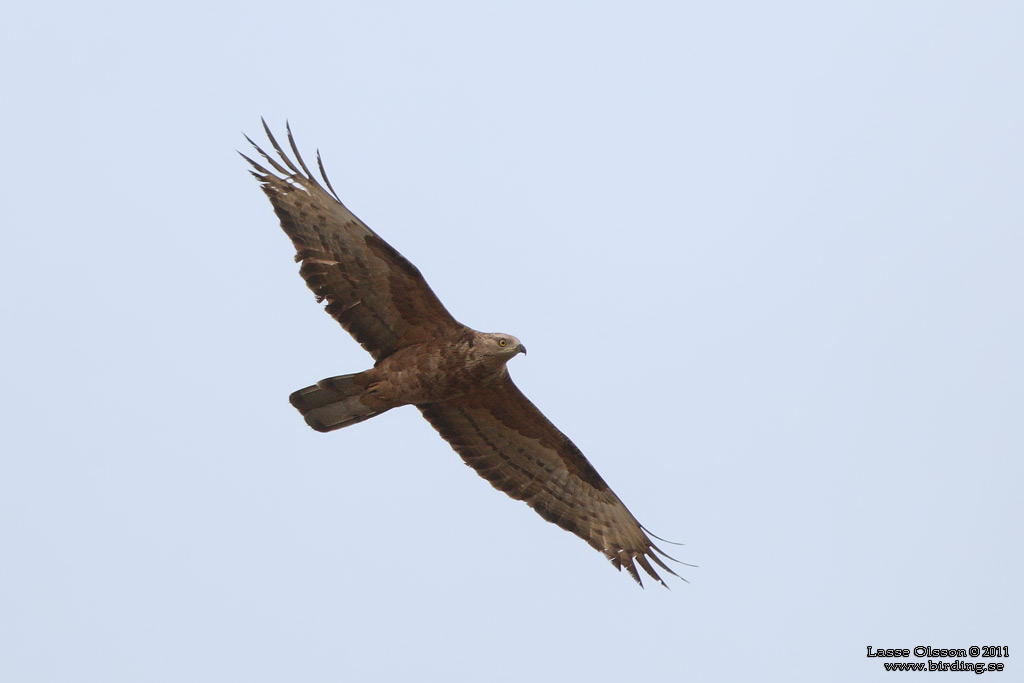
509	442
372	290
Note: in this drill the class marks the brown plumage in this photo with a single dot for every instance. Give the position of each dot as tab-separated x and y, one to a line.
456	376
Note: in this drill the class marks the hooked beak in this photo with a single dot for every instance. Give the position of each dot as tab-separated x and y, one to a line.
521	349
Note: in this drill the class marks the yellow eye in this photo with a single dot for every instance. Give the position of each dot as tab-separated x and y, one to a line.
502	342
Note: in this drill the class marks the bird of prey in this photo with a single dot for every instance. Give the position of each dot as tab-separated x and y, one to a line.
455	376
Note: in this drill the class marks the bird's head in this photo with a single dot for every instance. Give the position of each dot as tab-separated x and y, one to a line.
503	346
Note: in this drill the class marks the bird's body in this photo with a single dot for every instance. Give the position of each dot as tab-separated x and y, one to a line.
436	371
457	377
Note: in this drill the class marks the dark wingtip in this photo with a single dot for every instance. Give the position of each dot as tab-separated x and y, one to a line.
323	174
295	150
663	540
295	175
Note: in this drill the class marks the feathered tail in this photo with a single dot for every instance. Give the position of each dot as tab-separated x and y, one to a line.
336	402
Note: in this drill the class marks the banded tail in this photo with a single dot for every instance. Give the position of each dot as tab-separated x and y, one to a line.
336	402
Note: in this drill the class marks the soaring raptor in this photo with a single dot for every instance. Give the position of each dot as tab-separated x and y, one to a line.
455	375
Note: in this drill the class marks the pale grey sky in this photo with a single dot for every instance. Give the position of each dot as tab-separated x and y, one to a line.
766	257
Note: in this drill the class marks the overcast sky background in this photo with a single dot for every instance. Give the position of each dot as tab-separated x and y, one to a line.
767	258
